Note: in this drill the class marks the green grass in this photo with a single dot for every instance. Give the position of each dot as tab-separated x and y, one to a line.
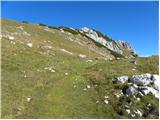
149	65
53	94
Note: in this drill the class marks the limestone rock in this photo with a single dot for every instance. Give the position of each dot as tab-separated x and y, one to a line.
122	79
142	80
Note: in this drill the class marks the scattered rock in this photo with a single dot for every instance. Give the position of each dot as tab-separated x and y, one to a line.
122	79
88	86
53	71
62	30
25	76
97	101
47	46
139	113
82	56
138	99
126	106
66	73
133	61
11	38
85	89
89	61
106	101
110	59
50	69
28	99
26	33
12	42
135	86
140	94
20	27
66	51
29	45
118	94
106	97
129	90
128	111
133	115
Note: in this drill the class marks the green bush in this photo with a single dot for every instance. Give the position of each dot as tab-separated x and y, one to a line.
42	24
25	22
69	30
52	27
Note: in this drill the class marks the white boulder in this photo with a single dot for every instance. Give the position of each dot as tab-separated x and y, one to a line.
11	38
142	80
64	50
122	79
88	86
129	90
66	73
106	101
156	81
147	90
28	99
128	111
82	56
29	45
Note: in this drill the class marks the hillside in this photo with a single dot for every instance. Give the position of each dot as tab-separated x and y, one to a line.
61	72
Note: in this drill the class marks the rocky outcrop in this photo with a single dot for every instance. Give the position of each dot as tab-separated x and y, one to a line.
124	45
144	84
156	81
122	79
142	80
129	90
116	46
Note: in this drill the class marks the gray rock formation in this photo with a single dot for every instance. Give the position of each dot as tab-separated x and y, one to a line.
156	81
142	80
122	79
145	83
117	46
129	90
124	45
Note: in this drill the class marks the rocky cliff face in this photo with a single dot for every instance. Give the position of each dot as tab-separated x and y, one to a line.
116	46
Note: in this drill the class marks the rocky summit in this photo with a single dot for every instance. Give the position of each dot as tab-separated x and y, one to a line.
63	72
117	46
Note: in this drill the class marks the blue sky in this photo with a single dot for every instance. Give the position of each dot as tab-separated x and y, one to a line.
134	22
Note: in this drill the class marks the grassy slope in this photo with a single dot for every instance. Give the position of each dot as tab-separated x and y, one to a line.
53	94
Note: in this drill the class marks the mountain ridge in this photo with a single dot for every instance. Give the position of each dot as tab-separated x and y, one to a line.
118	47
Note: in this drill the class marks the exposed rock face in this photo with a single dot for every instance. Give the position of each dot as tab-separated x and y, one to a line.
145	83
117	46
123	44
129	90
146	90
122	79
143	80
156	81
